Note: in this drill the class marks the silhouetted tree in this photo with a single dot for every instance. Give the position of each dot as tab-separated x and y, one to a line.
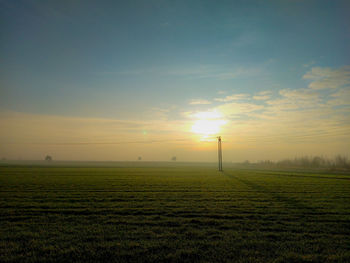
48	158
173	158
317	161
139	158
340	161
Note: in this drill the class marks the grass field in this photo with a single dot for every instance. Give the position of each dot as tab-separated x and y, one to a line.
172	214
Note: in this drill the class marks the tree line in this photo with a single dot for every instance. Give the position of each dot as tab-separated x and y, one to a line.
338	162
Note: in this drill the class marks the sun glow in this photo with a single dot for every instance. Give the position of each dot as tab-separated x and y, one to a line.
208	124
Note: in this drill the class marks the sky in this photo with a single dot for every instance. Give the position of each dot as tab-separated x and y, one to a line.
115	80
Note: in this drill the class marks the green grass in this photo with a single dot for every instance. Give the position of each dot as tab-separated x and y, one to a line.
172	214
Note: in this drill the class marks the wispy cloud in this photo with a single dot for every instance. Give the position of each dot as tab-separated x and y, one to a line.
299	94
233	97
214	71
341	97
293	116
296	99
199	102
259	97
237	109
264	95
192	71
158	113
328	78
309	64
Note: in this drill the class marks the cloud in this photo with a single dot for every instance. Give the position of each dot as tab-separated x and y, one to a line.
213	114
192	71
233	97
258	97
299	94
266	92
158	113
237	109
341	97
291	117
212	71
263	95
296	99
199	102
328	78
309	64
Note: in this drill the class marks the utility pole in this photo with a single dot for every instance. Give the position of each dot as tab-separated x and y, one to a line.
220	153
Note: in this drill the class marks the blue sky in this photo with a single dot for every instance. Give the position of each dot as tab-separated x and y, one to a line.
166	60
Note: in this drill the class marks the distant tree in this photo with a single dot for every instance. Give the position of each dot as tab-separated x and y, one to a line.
266	162
285	163
48	158
304	161
317	161
173	158
139	158
340	161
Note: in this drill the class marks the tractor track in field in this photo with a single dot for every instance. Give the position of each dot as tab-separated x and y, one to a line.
275	195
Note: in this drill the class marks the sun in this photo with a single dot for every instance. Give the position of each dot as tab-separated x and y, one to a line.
207	127
208	123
